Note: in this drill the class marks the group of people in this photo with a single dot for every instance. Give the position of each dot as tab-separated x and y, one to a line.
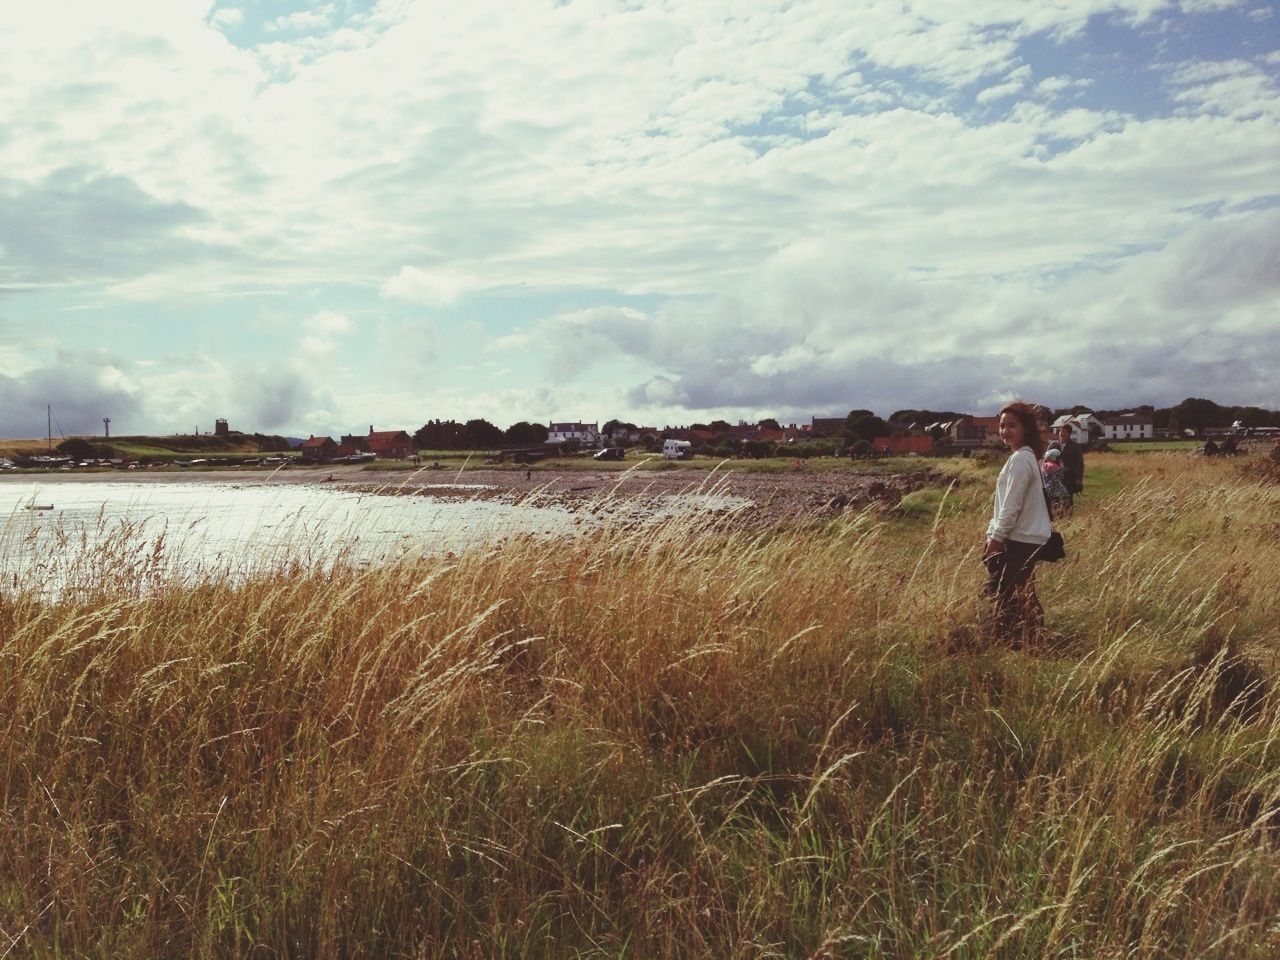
1037	484
1062	473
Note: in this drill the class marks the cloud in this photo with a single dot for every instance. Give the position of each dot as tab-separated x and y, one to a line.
389	158
1233	88
819	331
329	323
437	288
280	397
74	225
321	332
82	388
227	16
1012	84
317	19
412	348
1052	87
787	190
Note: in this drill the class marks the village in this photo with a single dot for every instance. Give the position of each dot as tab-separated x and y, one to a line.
859	434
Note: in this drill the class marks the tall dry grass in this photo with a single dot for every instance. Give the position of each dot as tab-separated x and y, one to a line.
671	741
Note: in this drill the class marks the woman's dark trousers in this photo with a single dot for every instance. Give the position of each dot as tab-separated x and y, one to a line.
1018	618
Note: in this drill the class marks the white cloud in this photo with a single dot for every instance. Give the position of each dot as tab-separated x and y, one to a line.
391	158
1234	88
1208	6
1051	87
317	19
655	149
321	332
329	323
1013	83
227	16
437	288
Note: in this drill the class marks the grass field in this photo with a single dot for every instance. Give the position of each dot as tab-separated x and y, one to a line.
681	741
18	448
150	448
1163	446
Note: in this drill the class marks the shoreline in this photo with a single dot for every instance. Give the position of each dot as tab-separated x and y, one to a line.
772	497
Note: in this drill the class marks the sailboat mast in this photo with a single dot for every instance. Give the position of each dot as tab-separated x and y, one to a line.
48	412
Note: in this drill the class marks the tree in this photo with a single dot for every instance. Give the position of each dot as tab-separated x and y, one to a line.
525	434
482	435
718	427
1196	413
768	423
441	435
864	425
1256	416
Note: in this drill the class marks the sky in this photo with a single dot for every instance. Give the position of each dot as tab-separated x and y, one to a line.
317	218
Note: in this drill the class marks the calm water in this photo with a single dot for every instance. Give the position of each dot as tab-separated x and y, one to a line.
160	530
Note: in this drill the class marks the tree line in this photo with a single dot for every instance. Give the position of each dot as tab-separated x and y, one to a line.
478	434
1193	413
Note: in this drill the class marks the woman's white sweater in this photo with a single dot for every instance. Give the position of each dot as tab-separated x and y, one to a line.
1019	512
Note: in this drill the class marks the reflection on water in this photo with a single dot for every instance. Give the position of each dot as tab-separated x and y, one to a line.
131	532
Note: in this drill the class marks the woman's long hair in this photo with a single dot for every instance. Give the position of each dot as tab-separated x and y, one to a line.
1031	435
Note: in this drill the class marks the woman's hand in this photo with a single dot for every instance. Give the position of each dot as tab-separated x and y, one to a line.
993	547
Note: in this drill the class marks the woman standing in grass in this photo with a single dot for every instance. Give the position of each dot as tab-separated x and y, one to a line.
1019	527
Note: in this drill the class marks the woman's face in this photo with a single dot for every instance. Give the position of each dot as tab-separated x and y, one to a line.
1011	430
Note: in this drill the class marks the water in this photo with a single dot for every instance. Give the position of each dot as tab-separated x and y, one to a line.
137	532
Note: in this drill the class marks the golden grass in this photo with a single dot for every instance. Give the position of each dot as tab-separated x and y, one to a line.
672	741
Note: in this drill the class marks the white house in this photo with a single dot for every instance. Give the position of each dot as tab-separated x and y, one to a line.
584	434
1129	426
1080	425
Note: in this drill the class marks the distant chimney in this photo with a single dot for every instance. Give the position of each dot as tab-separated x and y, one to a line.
371	428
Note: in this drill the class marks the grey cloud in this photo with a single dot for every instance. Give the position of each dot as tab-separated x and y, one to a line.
881	384
821	333
1223	264
81	389
275	398
76	226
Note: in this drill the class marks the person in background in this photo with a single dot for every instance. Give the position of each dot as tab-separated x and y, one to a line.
1072	460
1019	527
1054	488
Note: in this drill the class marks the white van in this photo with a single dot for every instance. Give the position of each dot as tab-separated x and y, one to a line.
677	449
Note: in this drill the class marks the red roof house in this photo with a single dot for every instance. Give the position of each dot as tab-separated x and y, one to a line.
390	444
318	448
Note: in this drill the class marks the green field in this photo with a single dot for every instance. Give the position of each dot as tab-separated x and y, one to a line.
212	448
659	741
1162	446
